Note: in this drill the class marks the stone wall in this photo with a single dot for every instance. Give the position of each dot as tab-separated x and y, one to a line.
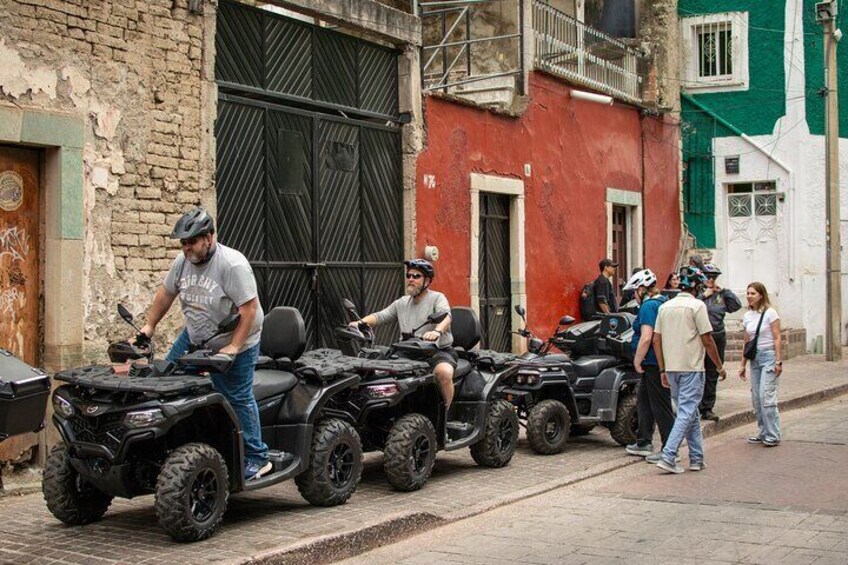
138	73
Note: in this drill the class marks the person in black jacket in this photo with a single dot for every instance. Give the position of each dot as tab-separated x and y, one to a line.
602	288
719	301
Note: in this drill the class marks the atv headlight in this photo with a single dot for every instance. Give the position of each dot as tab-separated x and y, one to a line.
532	379
520	379
62	407
143	418
381	391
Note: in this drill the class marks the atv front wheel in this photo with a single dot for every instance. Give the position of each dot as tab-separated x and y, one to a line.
192	492
69	497
548	424
626	426
335	464
410	452
500	438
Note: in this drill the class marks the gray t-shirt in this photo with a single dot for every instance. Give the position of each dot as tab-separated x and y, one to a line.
211	292
410	314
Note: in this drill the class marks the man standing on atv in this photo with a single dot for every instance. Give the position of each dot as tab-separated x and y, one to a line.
654	400
214	282
412	310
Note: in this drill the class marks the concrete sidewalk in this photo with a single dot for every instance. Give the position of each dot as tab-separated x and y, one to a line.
276	526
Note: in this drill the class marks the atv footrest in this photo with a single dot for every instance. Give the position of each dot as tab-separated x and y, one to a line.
280	459
458	430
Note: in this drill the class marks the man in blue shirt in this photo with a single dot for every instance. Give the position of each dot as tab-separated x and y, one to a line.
653	403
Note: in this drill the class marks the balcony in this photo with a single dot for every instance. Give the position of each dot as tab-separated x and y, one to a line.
581	54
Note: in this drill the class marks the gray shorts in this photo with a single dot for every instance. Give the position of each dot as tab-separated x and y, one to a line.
443	356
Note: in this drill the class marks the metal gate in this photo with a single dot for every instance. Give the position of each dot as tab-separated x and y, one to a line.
309	183
495	286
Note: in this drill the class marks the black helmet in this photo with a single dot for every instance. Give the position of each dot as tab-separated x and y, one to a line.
194	223
422	265
711	270
691	277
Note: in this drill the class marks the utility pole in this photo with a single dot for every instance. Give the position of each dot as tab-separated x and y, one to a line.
826	16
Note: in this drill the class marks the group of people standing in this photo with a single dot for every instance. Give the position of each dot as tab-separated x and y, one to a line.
679	342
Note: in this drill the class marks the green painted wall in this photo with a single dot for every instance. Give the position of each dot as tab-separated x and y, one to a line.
814	61
753	111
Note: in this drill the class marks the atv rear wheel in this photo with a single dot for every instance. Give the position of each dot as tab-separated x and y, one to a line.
500	438
410	452
548	424
335	464
626	426
192	492
581	429
68	496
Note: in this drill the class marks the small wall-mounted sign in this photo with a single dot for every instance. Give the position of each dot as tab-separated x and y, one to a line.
731	165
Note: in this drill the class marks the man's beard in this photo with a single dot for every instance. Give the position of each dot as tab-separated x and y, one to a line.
413	291
196	258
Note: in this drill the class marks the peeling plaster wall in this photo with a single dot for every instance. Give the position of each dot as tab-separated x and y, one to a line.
139	73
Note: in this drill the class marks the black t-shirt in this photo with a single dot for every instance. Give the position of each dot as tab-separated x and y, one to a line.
604	293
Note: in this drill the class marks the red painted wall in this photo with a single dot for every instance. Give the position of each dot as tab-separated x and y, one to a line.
576	149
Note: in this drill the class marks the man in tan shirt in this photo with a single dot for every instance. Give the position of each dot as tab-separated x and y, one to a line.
682	336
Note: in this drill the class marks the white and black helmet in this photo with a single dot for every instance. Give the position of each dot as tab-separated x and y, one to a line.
645	278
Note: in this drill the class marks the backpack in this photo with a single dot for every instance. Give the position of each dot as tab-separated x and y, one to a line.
587	301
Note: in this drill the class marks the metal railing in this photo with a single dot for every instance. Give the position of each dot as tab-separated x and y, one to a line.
455	57
568	48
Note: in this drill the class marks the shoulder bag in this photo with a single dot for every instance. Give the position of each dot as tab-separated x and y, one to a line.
750	351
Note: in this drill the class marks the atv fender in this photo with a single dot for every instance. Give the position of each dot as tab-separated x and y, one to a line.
608	385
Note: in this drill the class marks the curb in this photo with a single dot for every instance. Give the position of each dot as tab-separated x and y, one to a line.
328	549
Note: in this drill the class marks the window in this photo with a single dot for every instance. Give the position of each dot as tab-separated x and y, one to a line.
752	199
715	51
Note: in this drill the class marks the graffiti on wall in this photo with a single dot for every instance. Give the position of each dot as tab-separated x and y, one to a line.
14	250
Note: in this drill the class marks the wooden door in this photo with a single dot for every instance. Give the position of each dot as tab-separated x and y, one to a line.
20	188
619	247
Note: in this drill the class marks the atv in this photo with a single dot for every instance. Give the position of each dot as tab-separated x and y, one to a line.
398	408
558	395
163	430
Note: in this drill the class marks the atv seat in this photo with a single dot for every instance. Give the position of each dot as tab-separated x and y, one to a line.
592	365
271	383
463	367
465	327
283	334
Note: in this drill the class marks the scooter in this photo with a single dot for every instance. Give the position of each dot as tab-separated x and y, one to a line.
399	410
561	395
163	430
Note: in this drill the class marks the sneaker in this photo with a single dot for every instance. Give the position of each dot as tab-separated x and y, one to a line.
655	458
639	450
697	466
709	415
669	468
771	443
253	470
755	439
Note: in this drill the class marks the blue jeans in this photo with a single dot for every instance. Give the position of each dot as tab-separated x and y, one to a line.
764	383
237	387
687	390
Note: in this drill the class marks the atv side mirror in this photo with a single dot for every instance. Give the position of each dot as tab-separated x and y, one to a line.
437	317
229	323
125	314
565	320
519	309
348	305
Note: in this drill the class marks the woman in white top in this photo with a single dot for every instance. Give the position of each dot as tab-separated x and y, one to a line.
767	366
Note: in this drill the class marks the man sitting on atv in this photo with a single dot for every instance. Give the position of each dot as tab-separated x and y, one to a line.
213	282
412	310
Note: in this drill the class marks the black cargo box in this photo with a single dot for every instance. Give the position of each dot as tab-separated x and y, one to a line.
23	396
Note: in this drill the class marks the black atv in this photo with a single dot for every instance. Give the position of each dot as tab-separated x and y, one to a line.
164	430
565	394
23	396
398	408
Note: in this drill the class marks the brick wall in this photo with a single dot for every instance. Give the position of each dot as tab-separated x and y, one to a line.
139	73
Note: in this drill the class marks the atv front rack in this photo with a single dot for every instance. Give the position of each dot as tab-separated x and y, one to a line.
103	377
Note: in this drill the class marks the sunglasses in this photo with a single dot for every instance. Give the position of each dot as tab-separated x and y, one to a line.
189	241
415	276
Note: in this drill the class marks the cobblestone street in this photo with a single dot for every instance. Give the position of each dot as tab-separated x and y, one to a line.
751	505
276	525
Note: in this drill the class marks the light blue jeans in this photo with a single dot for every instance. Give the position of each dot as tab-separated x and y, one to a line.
237	387
764	383
687	390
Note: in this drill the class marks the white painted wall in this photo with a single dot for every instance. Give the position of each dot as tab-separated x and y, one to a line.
795	160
